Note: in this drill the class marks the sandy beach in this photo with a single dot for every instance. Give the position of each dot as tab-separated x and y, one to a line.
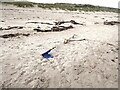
89	63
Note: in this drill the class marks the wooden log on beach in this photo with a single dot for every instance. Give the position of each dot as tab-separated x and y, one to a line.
13	35
13	27
71	21
54	29
111	22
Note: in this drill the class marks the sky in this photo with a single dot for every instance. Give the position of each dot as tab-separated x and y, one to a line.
106	3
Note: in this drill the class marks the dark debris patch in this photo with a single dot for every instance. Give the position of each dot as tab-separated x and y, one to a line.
57	26
113	60
111	22
54	29
14	27
13	35
71	21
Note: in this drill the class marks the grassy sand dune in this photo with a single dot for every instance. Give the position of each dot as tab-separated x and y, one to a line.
64	6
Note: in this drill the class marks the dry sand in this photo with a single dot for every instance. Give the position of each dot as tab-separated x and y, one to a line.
92	63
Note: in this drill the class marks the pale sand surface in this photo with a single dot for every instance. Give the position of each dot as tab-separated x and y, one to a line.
92	63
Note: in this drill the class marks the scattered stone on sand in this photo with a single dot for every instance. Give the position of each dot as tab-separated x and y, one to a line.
96	23
13	35
2	21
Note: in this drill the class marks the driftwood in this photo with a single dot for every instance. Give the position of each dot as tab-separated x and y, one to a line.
41	23
33	22
55	28
61	28
68	40
13	35
58	23
17	27
74	22
71	21
46	23
111	22
61	22
39	30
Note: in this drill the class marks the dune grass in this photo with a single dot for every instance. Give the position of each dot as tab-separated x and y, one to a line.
21	4
66	6
77	7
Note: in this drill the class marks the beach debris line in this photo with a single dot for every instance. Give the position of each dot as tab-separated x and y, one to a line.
55	26
111	22
56	23
13	35
54	29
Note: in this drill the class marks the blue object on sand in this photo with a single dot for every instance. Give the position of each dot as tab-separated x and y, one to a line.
47	55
